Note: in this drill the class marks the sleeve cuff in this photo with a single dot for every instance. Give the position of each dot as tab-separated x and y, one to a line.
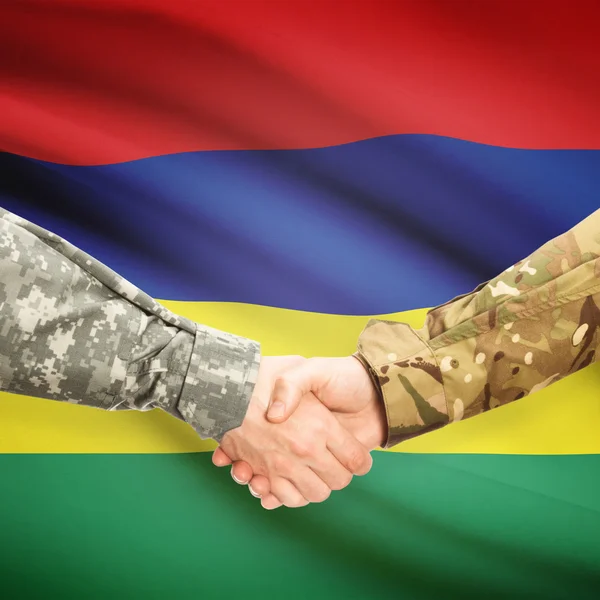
219	382
408	376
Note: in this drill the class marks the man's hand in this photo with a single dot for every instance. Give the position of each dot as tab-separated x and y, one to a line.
343	386
309	454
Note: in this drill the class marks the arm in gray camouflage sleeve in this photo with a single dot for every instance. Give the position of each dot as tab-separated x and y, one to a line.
73	330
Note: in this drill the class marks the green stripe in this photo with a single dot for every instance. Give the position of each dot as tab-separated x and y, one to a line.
419	526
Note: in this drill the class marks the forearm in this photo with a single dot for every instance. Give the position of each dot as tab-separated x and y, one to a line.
530	326
73	330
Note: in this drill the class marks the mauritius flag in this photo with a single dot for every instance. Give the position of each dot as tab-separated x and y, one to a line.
283	170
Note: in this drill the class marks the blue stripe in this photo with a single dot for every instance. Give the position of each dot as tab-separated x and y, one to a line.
376	226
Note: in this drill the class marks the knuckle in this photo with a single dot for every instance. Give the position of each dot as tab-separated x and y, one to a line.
282	383
320	495
320	428
359	462
368	463
342	481
280	463
302	448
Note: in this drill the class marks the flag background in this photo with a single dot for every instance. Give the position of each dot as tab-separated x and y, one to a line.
283	171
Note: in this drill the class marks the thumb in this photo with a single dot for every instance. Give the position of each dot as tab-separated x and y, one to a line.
289	388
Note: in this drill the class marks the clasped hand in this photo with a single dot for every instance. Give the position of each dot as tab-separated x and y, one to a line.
309	428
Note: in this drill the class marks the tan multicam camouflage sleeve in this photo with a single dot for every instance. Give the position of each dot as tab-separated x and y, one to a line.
73	330
532	325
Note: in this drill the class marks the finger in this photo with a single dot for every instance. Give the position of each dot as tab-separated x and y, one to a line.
286	493
348	450
259	486
241	472
220	459
333	474
270	502
309	484
291	385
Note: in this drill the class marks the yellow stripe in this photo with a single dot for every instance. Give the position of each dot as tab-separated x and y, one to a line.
563	419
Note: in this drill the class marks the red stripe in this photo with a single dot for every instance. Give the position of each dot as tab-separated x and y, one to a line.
99	81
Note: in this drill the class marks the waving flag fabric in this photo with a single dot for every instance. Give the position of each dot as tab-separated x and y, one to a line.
284	170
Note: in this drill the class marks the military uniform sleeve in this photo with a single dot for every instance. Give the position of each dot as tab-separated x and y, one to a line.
532	325
73	330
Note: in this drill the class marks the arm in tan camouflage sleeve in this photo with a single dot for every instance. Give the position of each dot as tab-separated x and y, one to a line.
73	330
532	325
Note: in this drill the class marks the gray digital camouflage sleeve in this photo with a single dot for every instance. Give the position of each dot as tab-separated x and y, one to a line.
71	329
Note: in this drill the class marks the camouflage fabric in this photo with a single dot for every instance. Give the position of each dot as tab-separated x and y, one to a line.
73	330
532	325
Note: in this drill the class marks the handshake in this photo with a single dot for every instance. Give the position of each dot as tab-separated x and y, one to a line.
310	426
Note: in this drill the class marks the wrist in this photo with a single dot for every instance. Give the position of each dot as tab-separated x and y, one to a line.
376	418
219	382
